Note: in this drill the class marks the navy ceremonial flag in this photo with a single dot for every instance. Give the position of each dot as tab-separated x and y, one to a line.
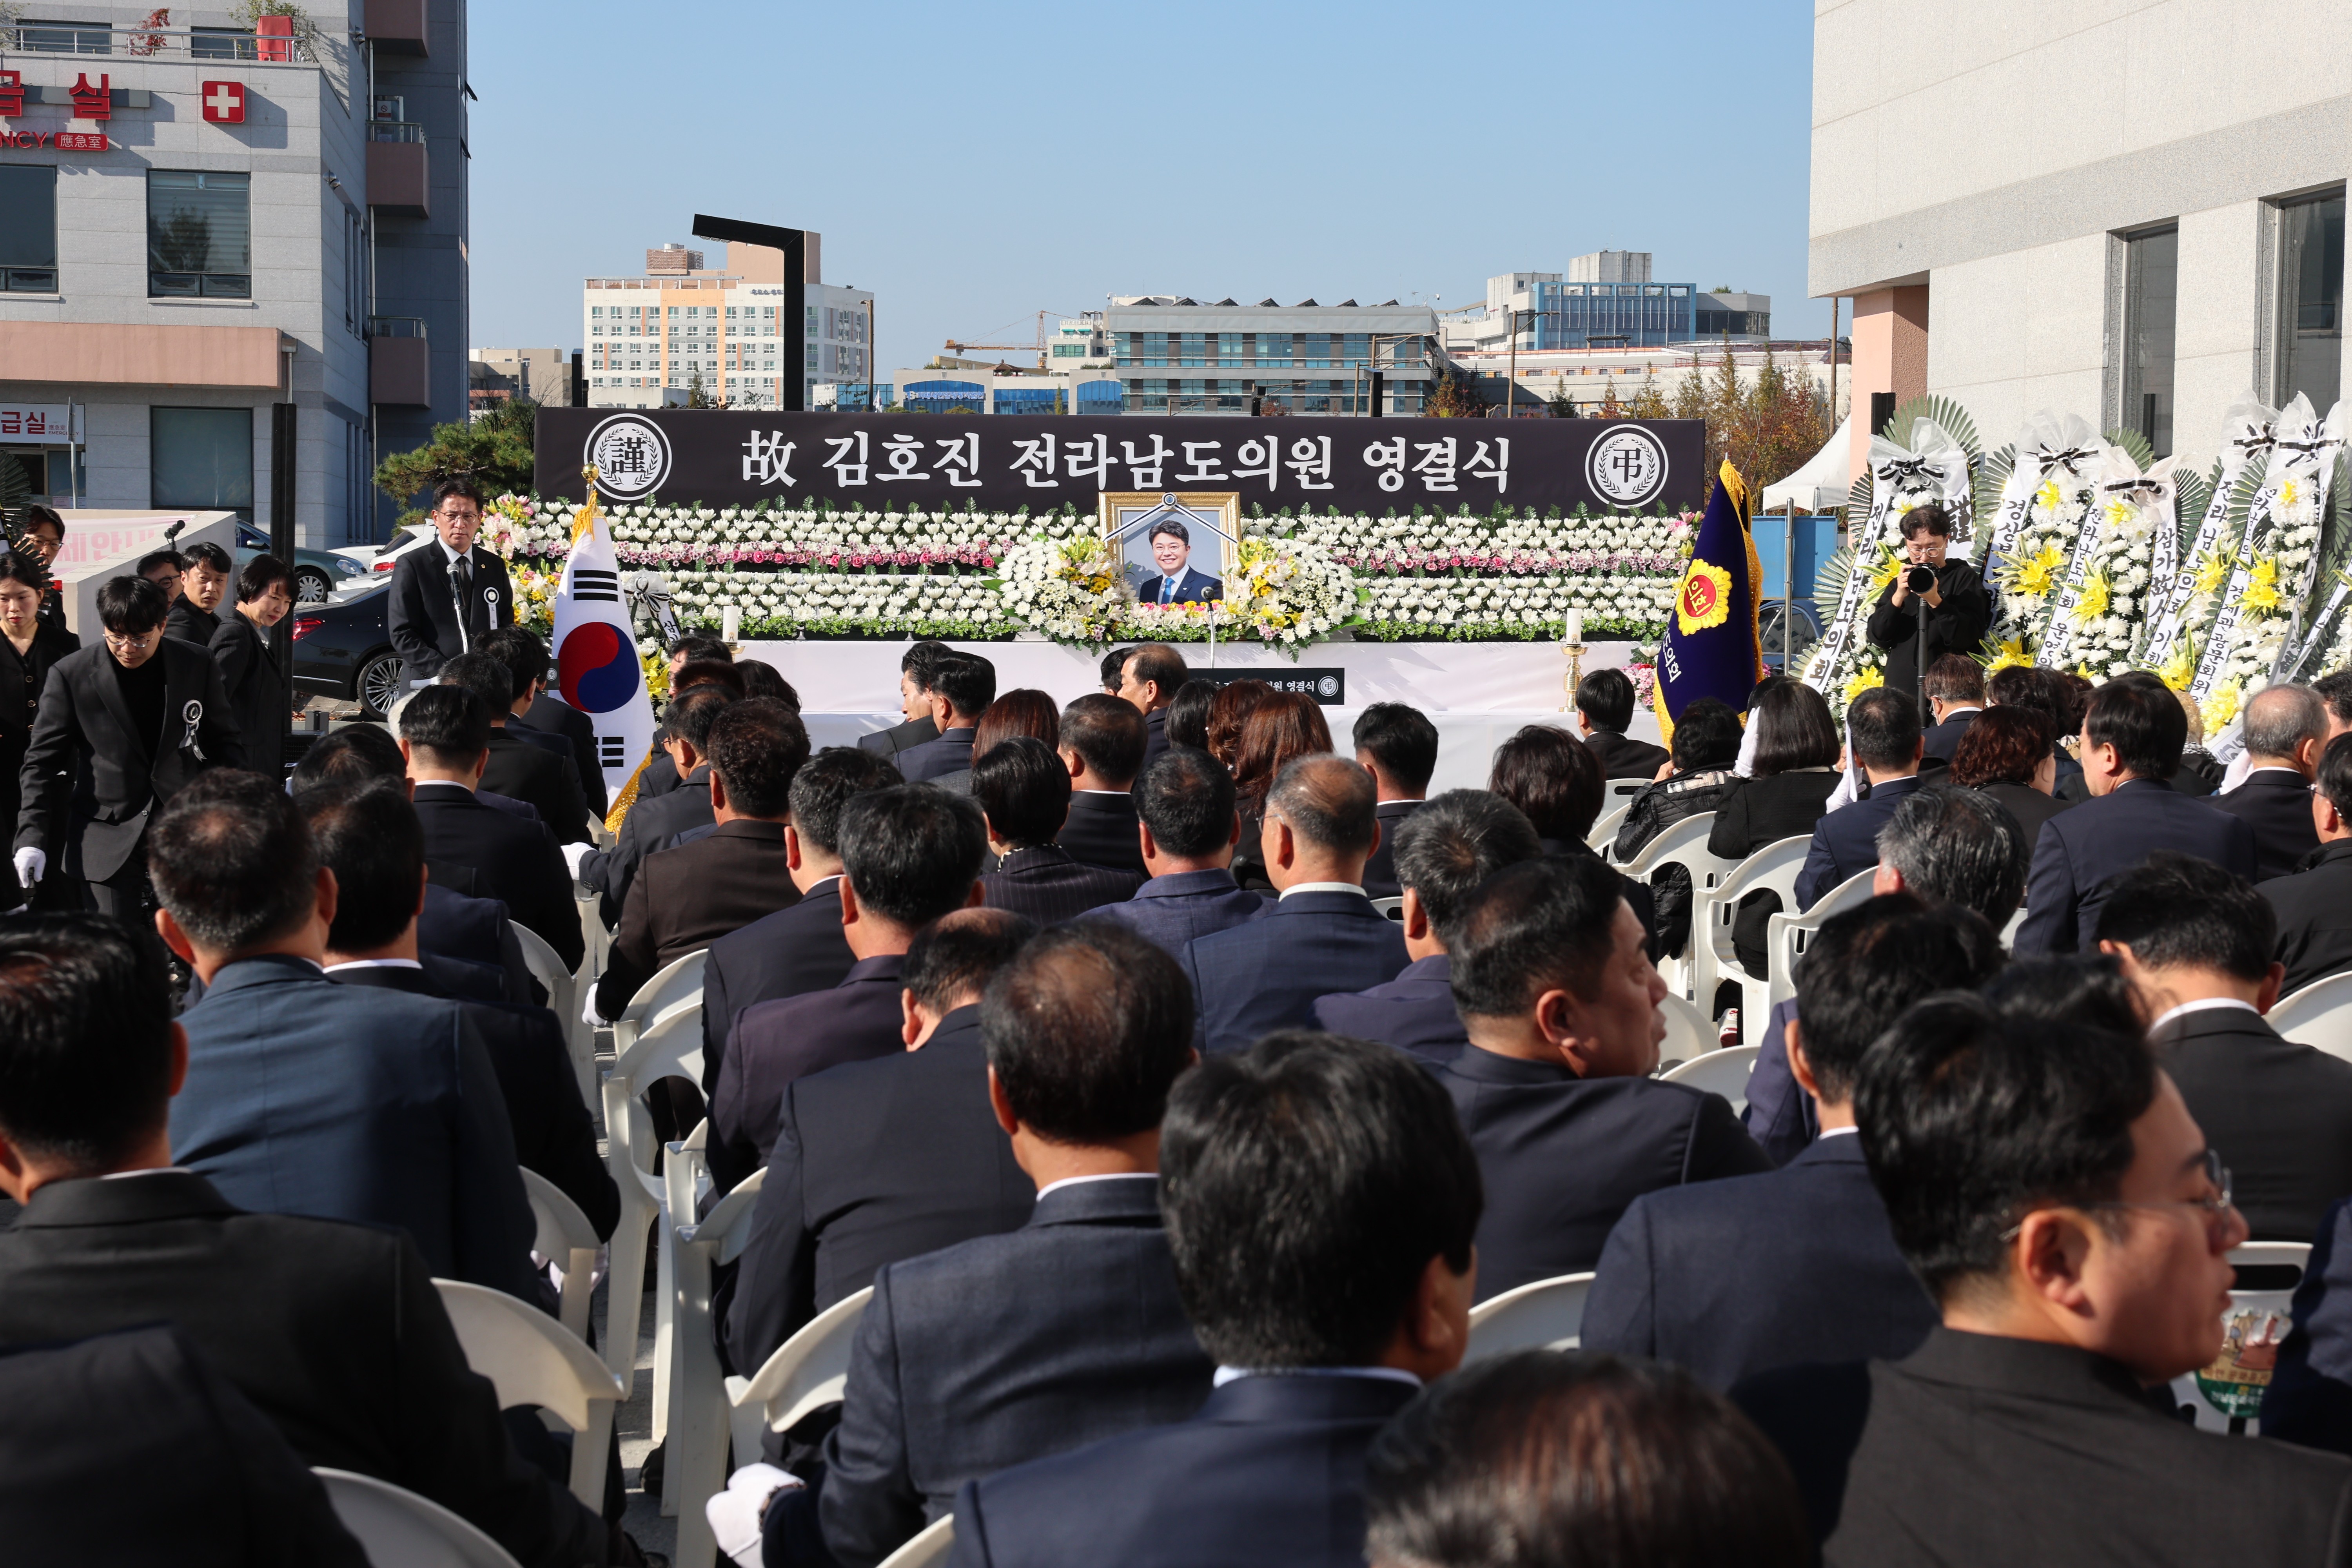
1712	648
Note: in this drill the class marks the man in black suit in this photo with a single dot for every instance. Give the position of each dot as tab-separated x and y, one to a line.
1807	1251
695	660
683	900
119	730
1101	741
2196	943
2050	1189
1882	734
1443	852
524	765
651	824
1605	708
449	595
203	583
1188	829
2285	728
799	948
537	712
1148	676
2315	905
2133	731
1556	985
1086	1030
914	701
332	1331
1397	746
909	854
1956	695
1023	790
217	1487
890	1158
304	1095
1320	1202
1322	934
445	737
962	686
368	835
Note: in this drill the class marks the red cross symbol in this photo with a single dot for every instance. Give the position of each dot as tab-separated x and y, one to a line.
224	102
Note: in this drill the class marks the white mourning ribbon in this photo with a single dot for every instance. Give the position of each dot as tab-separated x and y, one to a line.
2305	449
2048	443
650	600
2253	542
2058	631
2249	424
193	715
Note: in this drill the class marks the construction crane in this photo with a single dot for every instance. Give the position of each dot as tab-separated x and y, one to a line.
1038	347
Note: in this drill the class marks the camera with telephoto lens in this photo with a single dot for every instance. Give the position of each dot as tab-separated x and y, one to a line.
1919	579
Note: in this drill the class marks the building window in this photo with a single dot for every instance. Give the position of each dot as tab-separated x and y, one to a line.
2311	300
63	39
2151	293
199	234
29	229
201	457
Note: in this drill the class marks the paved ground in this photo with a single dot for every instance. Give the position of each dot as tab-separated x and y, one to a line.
643	1521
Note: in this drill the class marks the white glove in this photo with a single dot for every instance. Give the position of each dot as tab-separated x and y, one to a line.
32	865
588	1015
576	856
736	1513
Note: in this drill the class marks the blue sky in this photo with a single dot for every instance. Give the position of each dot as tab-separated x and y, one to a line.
974	163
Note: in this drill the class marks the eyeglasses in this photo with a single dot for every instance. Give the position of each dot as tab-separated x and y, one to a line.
2216	1207
131	639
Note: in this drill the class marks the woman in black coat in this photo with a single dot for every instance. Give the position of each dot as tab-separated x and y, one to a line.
2005	756
1793	773
257	689
30	644
1555	779
1705	746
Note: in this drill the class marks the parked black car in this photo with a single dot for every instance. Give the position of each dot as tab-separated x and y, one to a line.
342	650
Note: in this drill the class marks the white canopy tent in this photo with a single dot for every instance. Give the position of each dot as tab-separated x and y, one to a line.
1821	485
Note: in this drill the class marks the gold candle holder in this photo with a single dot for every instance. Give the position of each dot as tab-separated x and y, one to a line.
1573	676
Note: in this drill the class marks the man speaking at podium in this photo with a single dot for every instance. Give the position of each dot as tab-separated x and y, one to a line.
449	595
1178	583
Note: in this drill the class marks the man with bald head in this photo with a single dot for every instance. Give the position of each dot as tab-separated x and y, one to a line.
2286	729
1323	934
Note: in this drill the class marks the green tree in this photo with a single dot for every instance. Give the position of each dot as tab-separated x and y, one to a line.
1563	406
494	451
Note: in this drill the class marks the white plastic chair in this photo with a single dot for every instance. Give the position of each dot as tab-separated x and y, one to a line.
806	1372
596	942
2319	1015
1394	909
1684	844
1771	870
567	1239
658	1035
700	1412
1688	1031
1603	832
563	1001
2257	1318
927	1550
1545	1314
532	1359
399	1529
1723	1072
1621	791
1786	934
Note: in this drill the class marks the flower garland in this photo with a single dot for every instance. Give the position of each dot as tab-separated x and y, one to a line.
2110	611
2258	621
2030	577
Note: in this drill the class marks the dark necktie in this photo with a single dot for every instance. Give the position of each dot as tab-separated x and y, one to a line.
466	594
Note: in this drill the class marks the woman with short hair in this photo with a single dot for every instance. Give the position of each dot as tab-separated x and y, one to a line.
2006	757
1790	775
257	688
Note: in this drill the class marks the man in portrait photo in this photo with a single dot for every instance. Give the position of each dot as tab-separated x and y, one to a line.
1178	583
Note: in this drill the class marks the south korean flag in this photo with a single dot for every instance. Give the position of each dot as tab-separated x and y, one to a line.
596	657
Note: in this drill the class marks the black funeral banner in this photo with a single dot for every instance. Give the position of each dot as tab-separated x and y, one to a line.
732	457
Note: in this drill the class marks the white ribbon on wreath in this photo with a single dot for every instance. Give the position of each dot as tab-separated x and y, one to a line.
2248	425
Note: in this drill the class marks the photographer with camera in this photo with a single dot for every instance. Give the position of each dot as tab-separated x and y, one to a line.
1945	599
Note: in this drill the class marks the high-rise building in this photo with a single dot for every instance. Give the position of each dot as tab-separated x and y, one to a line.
1607	300
651	340
199	224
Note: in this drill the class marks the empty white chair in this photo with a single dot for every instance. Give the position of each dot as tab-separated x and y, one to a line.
700	1413
1546	1314
1723	1072
1684	844
567	1239
657	1035
1688	1033
2257	1319
1771	870
1603	832
927	1550
532	1359
1787	934
2319	1015
562	1000
400	1530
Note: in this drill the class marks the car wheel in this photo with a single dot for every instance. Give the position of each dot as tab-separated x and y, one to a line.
311	585
379	683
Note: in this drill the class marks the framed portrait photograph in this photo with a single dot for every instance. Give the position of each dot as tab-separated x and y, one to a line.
1176	546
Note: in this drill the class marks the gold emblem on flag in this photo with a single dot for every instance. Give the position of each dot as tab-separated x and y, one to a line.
1706	598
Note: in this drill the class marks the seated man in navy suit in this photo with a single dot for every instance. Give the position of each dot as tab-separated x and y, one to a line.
1811	1264
962	686
1178	582
1444	851
1102	742
1397	746
962	1366
2285	728
1320	1201
1882	733
1555	983
310	1098
1184	802
1956	695
2133	732
1322	935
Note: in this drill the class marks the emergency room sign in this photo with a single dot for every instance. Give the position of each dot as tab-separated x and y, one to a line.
223	102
